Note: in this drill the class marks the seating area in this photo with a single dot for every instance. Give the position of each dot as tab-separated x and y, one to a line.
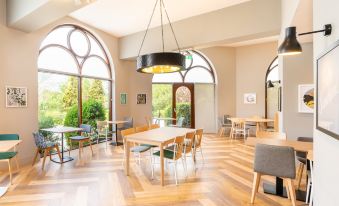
169	102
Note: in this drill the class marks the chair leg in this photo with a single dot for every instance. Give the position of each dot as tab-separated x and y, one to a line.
308	191
256	182
59	154
70	147
16	162
287	190
10	170
45	155
203	159
175	173
36	155
184	166
292	191
80	146
300	175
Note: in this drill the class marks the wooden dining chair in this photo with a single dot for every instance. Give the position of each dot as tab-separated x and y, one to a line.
102	131
85	137
239	128
273	135
154	126
45	147
189	142
142	128
8	156
174	155
197	143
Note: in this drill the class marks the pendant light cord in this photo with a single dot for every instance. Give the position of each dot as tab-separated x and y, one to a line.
149	23
162	27
169	21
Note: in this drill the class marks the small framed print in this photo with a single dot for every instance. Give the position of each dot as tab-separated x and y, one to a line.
250	98
123	98
16	96
141	98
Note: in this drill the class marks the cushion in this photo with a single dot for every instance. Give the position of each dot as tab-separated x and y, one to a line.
7	155
167	154
140	149
148	145
78	138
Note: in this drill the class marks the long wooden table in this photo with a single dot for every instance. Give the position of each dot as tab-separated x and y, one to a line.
278	188
159	137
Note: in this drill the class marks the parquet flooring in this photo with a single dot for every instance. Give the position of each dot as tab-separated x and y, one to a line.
225	179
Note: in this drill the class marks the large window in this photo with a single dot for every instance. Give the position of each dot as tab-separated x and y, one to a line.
75	78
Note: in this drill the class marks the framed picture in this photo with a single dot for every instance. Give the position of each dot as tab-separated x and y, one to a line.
306	98
141	98
250	98
16	96
123	98
327	87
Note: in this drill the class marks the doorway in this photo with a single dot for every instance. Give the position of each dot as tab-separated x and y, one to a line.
183	103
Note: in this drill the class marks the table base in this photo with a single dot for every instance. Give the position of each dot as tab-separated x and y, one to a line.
64	159
271	189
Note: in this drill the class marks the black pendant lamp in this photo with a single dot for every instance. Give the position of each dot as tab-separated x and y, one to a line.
291	46
160	62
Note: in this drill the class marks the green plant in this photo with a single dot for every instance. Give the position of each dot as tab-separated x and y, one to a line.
92	111
184	110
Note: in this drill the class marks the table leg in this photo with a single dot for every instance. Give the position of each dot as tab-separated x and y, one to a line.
116	143
279	190
257	129
162	165
63	158
127	154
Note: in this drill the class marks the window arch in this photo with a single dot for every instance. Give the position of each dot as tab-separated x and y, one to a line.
198	70
75	78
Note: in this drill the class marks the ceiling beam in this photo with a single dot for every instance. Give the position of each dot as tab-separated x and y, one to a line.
31	15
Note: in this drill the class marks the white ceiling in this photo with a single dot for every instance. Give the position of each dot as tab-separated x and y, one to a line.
124	17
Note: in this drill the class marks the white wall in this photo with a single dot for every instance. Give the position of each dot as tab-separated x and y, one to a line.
204	99
326	148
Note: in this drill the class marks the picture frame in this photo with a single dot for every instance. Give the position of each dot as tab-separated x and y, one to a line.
306	98
250	98
327	91
123	98
141	98
16	96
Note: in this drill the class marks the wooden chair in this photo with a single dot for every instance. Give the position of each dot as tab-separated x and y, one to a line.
239	127
180	122
302	159
189	142
154	126
8	156
45	147
275	123
225	123
174	155
274	135
197	143
278	161
85	137
142	128
102	131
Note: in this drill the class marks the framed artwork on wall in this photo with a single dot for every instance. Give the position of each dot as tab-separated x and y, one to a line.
306	98
141	98
250	98
327	87
16	96
123	98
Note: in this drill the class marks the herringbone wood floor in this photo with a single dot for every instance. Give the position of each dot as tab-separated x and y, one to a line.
224	179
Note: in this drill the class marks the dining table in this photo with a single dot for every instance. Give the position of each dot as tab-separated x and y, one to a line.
258	121
62	130
5	146
116	123
160	137
278	189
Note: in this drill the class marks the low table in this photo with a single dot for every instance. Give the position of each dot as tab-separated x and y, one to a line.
62	130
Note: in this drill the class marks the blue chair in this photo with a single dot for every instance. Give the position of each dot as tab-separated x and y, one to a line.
7	156
180	122
45	147
83	138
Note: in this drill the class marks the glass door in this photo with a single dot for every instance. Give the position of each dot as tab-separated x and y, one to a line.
183	104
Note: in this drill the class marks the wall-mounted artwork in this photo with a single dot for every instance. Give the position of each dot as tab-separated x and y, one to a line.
16	96
306	98
327	111
250	98
141	98
123	98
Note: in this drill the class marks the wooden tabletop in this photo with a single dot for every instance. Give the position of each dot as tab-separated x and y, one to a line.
297	145
251	119
62	129
158	136
8	144
117	122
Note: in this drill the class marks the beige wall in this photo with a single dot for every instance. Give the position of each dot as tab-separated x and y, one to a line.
296	70
19	54
252	63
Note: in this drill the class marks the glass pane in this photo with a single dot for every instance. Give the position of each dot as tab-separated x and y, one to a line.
96	49
79	43
199	61
57	36
95	67
183	106
55	58
199	75
162	100
273	75
95	101
174	77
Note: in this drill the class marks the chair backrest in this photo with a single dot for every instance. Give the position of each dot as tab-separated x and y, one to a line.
189	140
9	137
274	160
86	128
198	137
142	128
154	126
180	121
126	132
129	123
303	139
178	147
226	121
102	126
238	124
39	140
274	135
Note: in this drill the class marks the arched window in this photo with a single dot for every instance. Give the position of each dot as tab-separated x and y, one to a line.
198	70
272	89
75	74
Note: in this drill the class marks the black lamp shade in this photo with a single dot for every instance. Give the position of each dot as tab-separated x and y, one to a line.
270	84
162	62
290	46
